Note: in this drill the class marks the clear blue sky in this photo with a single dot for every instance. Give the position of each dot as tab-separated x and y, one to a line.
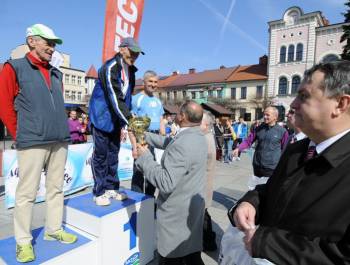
175	34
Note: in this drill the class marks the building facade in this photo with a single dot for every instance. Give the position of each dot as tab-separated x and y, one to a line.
296	43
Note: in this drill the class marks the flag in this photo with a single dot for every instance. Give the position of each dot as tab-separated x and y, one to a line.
123	19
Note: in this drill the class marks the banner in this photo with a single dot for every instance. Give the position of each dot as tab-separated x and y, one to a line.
123	19
77	173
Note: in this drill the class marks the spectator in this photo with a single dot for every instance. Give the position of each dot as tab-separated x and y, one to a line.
76	129
271	139
146	104
241	130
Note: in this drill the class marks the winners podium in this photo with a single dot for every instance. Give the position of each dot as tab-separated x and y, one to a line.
119	234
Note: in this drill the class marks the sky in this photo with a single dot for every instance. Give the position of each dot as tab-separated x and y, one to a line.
176	35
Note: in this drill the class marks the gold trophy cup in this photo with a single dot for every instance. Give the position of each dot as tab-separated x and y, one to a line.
138	125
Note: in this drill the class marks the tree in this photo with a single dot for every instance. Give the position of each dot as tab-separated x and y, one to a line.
346	35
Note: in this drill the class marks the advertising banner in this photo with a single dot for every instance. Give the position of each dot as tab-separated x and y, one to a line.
123	19
77	175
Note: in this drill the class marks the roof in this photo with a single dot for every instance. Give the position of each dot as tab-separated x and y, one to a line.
216	109
92	73
209	76
172	109
249	72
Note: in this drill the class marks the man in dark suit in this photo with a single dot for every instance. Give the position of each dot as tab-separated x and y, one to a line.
302	213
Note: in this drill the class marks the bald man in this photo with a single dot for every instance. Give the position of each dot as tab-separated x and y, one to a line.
271	140
180	179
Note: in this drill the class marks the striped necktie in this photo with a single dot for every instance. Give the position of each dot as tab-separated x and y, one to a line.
311	152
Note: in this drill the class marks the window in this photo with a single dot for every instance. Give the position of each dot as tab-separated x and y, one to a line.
175	95
243	92
259	91
193	95
201	94
184	95
295	84
282	86
299	55
330	58
210	93
242	111
219	93
67	94
79	80
291	53
233	93
168	95
258	113
283	52
66	79
73	79
79	96
73	96
159	95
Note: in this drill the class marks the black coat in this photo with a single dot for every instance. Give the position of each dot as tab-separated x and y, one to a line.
303	211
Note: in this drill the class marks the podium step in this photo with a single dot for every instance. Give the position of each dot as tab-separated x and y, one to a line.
125	229
52	252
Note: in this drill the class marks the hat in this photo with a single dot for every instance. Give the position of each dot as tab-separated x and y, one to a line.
43	31
131	44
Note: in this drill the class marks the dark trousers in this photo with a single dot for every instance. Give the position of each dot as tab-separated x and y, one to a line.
191	259
237	142
104	162
139	183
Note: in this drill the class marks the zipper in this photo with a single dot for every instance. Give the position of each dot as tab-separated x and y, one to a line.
48	88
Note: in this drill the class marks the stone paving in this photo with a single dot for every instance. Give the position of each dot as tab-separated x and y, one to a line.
230	183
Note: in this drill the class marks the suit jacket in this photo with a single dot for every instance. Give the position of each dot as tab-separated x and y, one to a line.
180	178
303	210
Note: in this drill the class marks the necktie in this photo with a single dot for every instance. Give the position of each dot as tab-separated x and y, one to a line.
311	152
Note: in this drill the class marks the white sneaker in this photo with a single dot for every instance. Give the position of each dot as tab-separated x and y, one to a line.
119	196
238	158
102	200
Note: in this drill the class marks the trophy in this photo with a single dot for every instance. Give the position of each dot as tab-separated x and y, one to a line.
138	125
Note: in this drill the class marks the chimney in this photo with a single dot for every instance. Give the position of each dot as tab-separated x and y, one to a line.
222	67
191	70
175	72
263	60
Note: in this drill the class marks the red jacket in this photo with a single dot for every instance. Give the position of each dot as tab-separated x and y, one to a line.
9	89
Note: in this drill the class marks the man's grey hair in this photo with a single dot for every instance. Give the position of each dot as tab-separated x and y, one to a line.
34	38
192	110
336	77
209	119
275	110
149	74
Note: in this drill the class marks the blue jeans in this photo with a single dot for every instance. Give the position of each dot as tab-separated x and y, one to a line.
227	149
104	162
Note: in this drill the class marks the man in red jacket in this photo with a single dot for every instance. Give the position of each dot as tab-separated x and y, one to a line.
32	108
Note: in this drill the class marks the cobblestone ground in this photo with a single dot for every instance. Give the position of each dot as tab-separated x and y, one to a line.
230	183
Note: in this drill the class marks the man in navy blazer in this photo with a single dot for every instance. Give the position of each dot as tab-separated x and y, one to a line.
301	216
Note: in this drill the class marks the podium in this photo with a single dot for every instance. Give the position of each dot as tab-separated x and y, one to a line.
121	233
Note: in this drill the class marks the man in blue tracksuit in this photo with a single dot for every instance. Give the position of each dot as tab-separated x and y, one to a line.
109	111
